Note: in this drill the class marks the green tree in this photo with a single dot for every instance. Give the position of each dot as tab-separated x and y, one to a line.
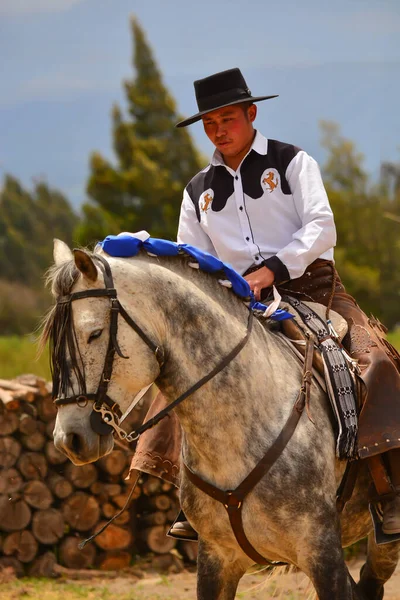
343	170
155	161
367	254
28	223
17	227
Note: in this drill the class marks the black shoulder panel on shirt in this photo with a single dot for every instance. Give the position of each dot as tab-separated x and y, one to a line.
278	157
252	168
218	179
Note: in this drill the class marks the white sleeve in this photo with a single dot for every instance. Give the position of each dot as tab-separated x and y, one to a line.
318	231
189	228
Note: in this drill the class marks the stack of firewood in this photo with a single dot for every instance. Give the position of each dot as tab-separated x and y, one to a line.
48	505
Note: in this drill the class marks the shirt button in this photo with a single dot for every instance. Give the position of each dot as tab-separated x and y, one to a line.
240	207
236	177
247	239
257	258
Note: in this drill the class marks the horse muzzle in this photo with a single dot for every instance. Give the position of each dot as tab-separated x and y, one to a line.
75	437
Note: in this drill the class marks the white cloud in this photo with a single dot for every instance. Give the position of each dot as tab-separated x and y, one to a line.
11	8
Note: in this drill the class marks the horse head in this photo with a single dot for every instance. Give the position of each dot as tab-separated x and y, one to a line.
87	343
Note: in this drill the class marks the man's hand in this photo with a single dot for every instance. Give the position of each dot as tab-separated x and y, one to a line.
260	279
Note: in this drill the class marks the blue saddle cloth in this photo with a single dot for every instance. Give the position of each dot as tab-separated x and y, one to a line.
125	245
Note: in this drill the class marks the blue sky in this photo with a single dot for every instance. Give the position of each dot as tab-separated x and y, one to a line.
63	63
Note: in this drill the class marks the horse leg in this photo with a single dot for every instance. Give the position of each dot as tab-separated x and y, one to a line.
217	577
325	565
332	581
380	566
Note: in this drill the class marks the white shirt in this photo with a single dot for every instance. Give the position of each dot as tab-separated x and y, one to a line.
273	207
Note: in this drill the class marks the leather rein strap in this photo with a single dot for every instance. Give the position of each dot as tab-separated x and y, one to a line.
221	365
232	500
104	417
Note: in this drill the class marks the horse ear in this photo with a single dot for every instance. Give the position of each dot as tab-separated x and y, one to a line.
61	252
85	264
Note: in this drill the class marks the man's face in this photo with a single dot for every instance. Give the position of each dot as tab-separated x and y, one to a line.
230	128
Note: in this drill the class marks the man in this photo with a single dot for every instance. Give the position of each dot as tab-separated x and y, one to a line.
261	206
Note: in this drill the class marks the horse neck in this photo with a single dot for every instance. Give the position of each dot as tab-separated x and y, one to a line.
235	414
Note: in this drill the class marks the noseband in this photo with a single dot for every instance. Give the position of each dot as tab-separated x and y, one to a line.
106	414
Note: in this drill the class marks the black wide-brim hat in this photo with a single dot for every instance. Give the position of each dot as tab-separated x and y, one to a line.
219	90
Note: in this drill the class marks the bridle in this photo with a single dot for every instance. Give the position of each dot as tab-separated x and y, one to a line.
106	414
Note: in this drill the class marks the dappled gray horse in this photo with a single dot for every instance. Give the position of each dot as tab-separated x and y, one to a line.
228	424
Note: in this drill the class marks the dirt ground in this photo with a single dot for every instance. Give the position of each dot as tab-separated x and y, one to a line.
143	585
182	586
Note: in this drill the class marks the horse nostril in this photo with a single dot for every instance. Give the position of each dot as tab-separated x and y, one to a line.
74	442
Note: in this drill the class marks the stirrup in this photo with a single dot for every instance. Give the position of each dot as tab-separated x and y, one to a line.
191	533
377	519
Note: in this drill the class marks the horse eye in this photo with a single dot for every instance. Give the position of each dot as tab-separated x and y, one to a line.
94	335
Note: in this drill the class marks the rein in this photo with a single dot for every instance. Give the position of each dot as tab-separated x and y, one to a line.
106	414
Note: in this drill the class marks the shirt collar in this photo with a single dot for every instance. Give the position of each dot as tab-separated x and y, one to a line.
260	145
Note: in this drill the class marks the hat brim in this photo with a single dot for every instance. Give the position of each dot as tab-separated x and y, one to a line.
197	117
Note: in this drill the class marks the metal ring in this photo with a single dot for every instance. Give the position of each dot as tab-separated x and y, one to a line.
81	401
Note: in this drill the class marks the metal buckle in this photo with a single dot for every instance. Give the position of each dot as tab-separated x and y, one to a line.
109	417
238	502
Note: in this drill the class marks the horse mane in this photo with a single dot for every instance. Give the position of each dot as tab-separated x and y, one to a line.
60	279
58	330
57	326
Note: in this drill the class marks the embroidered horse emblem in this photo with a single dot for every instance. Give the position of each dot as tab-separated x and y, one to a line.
207	201
269	181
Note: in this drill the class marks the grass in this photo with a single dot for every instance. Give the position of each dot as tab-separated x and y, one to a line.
394	338
18	356
42	589
161	587
48	589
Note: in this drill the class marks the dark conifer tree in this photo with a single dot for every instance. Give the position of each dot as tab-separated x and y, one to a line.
155	161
